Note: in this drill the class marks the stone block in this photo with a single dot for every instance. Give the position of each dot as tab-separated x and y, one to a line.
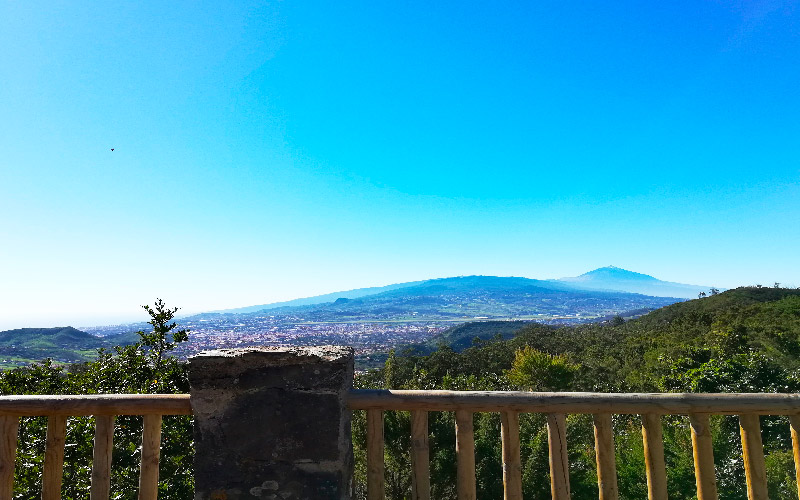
272	423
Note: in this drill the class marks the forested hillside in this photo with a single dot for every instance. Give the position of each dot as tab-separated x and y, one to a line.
743	340
61	344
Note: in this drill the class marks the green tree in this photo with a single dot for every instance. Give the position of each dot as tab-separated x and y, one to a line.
144	367
161	318
538	371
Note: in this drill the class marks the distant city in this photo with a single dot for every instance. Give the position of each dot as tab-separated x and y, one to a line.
366	337
373	321
379	319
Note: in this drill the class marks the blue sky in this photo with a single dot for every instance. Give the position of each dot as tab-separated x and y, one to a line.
269	151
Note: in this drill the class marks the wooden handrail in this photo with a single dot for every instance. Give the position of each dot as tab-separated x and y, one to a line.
556	405
104	407
509	404
95	404
576	402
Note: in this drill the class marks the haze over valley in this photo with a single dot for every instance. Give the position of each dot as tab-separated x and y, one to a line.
375	320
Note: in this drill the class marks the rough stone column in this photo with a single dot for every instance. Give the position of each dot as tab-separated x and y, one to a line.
272	423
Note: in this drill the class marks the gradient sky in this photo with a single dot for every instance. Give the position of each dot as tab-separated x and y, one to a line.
270	151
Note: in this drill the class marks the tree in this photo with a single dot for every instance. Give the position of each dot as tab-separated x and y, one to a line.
538	371
138	368
158	341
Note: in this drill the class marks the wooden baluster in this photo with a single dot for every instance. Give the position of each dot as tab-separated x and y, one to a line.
605	456
53	473
101	462
794	421
465	455
512	468
654	457
151	448
559	460
9	430
420	460
753	452
705	476
375	485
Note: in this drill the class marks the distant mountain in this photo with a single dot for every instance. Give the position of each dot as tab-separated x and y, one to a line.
465	297
610	279
66	344
49	337
321	299
617	279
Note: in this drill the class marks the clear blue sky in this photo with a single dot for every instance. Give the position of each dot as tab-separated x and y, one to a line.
269	151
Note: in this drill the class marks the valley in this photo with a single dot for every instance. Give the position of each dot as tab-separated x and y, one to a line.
375	320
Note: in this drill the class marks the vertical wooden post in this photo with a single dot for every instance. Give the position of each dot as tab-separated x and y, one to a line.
53	472
753	452
705	476
512	467
101	462
420	459
559	460
151	448
9	430
375	481
794	421
654	457
605	457
465	456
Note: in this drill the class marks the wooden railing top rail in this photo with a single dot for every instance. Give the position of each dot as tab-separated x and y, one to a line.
95	404
477	401
576	402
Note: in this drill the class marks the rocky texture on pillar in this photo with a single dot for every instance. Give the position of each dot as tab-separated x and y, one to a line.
272	423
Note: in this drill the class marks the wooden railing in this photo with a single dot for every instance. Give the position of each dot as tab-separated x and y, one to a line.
104	408
509	404
556	406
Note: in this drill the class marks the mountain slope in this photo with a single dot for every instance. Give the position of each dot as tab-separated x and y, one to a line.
615	278
607	279
488	297
320	299
66	344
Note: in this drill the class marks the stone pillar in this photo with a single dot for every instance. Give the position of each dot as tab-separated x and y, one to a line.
272	423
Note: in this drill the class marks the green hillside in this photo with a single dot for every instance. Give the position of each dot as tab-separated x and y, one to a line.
746	327
62	344
742	340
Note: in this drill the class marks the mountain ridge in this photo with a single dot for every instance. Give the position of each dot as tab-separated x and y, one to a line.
463	297
608	278
619	279
64	344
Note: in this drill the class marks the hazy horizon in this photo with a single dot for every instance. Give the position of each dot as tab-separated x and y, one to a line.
268	151
94	320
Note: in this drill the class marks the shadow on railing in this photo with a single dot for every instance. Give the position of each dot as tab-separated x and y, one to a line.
556	405
104	407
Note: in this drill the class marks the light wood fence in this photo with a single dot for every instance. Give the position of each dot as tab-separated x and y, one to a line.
464	403
104	408
556	406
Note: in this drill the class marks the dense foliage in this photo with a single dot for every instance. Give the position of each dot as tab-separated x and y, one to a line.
139	368
743	340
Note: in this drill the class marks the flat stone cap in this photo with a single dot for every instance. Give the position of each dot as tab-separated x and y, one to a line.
281	356
318	367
